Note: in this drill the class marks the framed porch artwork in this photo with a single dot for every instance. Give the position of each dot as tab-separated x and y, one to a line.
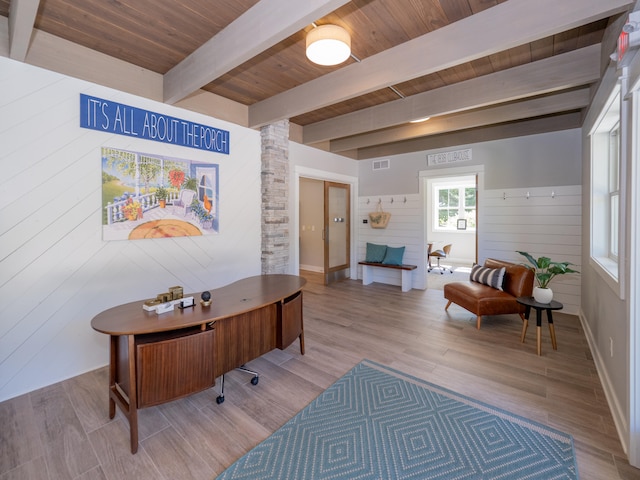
145	195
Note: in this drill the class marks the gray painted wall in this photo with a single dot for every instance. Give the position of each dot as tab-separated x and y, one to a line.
534	161
605	313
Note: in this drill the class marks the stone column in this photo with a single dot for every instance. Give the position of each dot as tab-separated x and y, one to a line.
275	197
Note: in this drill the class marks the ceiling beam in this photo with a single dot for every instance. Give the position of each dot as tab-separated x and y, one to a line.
483	134
515	22
571	69
22	18
535	107
259	28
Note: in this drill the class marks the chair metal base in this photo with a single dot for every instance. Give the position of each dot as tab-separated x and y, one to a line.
242	368
442	268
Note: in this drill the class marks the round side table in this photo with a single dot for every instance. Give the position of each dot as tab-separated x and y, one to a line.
530	303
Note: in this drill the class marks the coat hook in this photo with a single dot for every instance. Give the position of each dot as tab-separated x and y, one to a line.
368	200
553	194
528	195
405	200
504	195
379	201
391	199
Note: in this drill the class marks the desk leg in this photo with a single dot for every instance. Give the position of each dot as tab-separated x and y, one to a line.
113	340
538	327
552	330
302	341
525	322
133	395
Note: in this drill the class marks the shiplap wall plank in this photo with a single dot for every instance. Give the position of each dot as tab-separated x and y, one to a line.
56	272
544	221
48	121
404	229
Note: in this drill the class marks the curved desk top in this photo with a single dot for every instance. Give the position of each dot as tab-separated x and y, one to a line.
236	298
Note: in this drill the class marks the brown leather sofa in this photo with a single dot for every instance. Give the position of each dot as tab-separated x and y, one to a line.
485	300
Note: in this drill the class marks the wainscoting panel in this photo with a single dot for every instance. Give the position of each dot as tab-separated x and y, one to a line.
404	229
544	221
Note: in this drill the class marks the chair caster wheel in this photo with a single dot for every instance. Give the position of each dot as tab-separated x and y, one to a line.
254	380
220	399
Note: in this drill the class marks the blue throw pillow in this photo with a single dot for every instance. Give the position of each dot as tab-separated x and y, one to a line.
375	253
393	256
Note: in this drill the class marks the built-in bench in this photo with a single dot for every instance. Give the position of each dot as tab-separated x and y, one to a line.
367	273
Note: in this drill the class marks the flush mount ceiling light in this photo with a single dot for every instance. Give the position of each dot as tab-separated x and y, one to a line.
419	120
328	45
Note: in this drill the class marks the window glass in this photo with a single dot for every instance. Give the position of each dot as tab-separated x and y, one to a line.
605	186
454	202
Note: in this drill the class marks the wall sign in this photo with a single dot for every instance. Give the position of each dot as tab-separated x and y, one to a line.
449	157
107	116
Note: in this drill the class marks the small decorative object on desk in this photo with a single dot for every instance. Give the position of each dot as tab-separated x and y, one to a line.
379	218
164	308
186	302
205	299
176	292
164	302
545	270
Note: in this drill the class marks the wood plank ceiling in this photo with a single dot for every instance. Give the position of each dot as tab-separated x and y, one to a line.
481	69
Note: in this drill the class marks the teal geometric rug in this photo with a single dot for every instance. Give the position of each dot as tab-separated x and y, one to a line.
379	423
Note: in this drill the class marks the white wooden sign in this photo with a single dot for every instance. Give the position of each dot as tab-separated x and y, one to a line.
449	157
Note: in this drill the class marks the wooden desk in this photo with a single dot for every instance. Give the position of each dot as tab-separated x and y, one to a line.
158	358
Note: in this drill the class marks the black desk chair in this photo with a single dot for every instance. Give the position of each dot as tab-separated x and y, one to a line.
438	254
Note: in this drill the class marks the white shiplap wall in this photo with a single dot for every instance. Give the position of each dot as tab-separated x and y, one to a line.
544	221
405	228
56	273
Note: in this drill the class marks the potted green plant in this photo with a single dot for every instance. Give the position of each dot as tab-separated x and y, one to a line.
204	217
162	194
190	183
545	270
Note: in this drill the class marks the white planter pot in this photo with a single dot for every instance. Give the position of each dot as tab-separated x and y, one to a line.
542	295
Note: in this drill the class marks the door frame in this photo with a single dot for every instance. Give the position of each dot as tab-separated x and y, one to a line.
322	175
428	175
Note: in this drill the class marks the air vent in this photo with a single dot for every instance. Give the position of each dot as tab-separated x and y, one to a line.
381	164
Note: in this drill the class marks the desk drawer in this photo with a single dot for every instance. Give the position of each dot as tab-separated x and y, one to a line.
174	367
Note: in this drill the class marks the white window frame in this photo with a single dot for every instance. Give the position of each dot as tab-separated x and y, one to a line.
461	186
607	154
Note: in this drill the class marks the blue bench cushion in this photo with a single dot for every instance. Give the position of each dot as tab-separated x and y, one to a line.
393	256
375	253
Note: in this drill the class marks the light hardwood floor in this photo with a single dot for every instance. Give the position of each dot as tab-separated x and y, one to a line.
63	431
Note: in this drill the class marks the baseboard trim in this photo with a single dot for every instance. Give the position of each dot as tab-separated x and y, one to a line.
312	268
616	410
